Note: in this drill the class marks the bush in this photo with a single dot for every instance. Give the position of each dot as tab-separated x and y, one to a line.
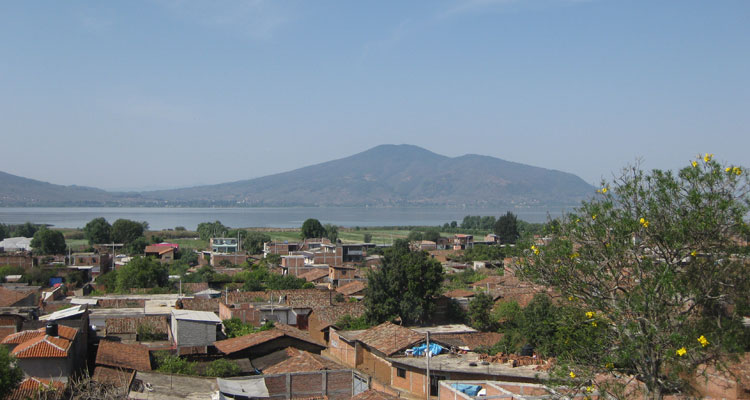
172	364
222	368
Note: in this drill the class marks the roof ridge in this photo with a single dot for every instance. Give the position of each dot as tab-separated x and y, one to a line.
53	345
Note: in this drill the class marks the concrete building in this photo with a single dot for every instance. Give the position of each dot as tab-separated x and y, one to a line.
224	245
54	352
196	329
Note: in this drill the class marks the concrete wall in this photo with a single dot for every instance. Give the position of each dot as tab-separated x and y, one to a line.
193	333
58	369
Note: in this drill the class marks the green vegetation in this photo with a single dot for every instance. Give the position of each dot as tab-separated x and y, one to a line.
147	333
312	228
172	364
405	286
479	313
140	272
253	242
48	241
222	368
126	231
463	279
482	252
207	230
98	230
235	328
349	323
506	228
653	264
10	373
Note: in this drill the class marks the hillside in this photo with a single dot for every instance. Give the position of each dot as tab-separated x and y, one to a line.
396	175
384	176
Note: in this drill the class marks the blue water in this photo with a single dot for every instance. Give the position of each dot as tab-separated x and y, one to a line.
276	217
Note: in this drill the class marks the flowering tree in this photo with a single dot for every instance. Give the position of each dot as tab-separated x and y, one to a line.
656	261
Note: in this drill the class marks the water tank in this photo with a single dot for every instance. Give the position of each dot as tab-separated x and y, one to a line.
51	328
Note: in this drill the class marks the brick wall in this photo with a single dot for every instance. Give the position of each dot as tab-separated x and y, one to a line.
342	350
377	367
23	261
333	384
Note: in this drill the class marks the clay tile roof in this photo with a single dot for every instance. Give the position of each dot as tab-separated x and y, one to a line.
112	376
372	394
328	316
29	388
10	297
314	274
45	346
200	304
459	293
129	325
352	288
492	280
158	249
233	345
389	338
122	355
302	361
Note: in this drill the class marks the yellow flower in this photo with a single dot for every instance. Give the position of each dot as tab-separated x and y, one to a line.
570	298
590	314
590	388
534	249
593	216
707	157
695	164
737	171
609	365
644	222
681	352
693	253
727	169
593	323
574	256
572	374
604	190
578	220
703	341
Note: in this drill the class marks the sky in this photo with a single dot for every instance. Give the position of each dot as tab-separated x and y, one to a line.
147	94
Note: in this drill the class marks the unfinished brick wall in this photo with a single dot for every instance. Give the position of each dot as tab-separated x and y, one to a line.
333	384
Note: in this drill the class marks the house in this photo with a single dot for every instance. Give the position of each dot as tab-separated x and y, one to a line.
194	329
290	360
337	273
165	254
356	252
13	318
322	318
17	298
141	328
224	245
113	357
492	238
316	275
468	341
33	388
54	352
353	288
426	245
258	344
462	241
14	244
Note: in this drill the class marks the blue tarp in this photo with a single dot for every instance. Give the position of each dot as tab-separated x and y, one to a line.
471	390
435	349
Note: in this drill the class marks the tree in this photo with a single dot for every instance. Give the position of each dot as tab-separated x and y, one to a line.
506	228
254	241
223	368
312	228
47	241
98	230
653	263
367	238
414	236
141	272
432	234
3	232
332	232
479	313
125	231
10	373
405	286
207	230
26	230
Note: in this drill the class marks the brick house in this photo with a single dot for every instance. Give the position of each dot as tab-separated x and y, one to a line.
17	298
316	275
195	329
462	241
322	318
353	288
338	273
126	329
165	254
54	352
291	360
115	361
258	344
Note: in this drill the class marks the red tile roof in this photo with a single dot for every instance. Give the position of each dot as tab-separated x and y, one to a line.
9	297
122	355
352	288
129	325
389	338
314	275
328	316
37	344
229	346
302	361
112	376
158	249
459	293
30	388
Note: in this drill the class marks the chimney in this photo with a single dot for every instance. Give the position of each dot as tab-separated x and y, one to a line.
51	329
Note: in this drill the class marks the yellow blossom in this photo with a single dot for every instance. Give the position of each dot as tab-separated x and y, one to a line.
727	169
695	164
644	222
590	388
593	216
590	314
693	253
609	365
534	249
681	352
570	298
572	374
593	323
737	171
707	157
574	256
703	341
578	220
604	190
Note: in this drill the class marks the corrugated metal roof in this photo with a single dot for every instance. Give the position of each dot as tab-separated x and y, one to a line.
191	315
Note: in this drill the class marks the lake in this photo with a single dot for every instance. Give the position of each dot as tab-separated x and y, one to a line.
276	217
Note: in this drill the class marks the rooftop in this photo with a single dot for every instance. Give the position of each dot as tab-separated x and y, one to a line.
168	387
389	338
121	355
30	388
372	394
10	297
328	316
66	313
37	344
191	315
301	361
352	288
452	328
233	345
471	363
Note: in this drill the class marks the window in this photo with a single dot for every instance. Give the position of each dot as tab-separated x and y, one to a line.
343	272
400	372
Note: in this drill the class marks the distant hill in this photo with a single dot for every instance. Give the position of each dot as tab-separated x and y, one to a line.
397	175
24	192
384	176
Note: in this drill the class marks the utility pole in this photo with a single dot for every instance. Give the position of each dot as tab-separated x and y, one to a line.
427	354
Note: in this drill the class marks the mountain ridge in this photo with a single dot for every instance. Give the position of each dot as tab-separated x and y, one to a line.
385	175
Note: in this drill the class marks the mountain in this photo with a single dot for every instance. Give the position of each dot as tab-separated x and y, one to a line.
396	175
384	176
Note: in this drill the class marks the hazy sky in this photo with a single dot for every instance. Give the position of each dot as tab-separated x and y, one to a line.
154	94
